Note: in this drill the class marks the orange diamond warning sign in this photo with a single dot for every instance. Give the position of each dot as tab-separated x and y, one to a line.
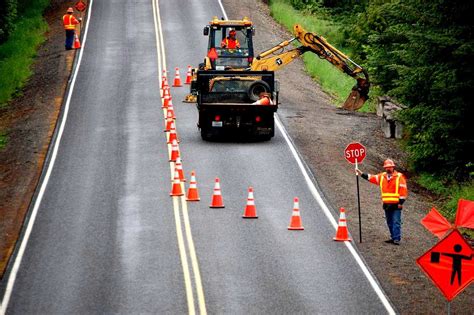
449	264
80	6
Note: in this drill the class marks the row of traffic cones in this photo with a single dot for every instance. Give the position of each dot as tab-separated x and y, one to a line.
250	211
177	78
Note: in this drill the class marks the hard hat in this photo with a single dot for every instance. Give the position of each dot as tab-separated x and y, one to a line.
70	10
388	163
232	32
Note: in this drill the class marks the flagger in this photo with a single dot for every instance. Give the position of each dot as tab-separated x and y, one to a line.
70	22
393	189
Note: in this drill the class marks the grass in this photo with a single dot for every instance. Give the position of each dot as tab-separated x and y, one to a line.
3	140
18	52
331	79
449	193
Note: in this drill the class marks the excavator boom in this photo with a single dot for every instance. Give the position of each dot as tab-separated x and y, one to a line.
276	58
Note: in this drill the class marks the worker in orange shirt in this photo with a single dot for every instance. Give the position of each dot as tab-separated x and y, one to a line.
230	42
70	22
264	99
393	188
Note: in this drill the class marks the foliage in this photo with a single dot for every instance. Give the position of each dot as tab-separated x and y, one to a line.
18	52
8	12
421	52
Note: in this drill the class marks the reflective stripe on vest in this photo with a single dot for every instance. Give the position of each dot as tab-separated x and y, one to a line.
390	197
68	25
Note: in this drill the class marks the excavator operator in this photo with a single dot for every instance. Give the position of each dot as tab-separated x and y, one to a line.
230	42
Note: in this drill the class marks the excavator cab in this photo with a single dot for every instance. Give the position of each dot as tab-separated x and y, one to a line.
220	57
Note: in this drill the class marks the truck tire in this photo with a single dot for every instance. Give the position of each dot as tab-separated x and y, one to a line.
256	88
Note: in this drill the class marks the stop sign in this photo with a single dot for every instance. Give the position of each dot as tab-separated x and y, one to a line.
355	151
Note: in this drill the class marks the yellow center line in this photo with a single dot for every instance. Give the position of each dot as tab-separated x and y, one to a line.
194	260
176	204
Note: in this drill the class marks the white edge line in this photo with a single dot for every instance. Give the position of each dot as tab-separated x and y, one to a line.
383	298
44	184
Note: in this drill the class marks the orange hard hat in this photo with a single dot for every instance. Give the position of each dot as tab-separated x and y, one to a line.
232	32
388	163
70	10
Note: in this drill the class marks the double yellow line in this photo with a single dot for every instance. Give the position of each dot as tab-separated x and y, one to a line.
180	206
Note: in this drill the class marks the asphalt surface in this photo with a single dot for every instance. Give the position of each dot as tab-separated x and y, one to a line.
105	239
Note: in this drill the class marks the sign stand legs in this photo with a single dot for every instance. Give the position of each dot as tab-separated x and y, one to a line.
358	206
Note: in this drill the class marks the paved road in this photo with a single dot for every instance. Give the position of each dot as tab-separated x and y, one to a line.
105	238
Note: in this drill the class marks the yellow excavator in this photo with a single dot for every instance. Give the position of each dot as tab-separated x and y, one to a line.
242	58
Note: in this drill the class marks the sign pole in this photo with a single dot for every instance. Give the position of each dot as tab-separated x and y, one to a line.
449	308
358	205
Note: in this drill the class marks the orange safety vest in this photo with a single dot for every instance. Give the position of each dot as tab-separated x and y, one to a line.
230	44
391	190
69	22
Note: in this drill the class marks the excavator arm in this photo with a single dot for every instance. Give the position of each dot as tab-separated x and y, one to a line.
276	58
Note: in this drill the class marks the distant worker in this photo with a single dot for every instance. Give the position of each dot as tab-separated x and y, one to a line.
230	42
265	99
393	187
70	23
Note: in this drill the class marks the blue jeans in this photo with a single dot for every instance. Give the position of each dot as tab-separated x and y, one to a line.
393	215
69	38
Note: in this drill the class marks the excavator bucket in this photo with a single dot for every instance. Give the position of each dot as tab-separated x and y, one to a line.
358	96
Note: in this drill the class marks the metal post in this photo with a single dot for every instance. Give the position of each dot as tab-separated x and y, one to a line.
449	308
358	205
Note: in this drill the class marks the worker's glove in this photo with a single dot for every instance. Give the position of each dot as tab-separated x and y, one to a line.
79	19
358	171
400	206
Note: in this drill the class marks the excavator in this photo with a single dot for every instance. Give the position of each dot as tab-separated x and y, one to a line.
275	58
228	84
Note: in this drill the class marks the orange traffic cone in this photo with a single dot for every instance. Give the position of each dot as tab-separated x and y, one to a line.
164	73
178	166
188	76
176	186
177	79
166	98
295	223
250	211
174	151
77	43
342	234
170	111
172	135
169	120
166	91
164	82
217	201
193	194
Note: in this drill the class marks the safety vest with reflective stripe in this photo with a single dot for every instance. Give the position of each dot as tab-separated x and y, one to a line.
69	22
230	44
391	190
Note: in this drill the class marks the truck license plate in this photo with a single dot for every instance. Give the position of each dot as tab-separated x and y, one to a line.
217	124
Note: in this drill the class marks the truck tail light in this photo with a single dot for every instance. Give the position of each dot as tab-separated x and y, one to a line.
258	119
250	59
217	118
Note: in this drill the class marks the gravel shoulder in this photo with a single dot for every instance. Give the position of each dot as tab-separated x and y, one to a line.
320	131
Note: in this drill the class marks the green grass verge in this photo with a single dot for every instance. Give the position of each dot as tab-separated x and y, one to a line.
450	193
18	52
331	79
3	140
